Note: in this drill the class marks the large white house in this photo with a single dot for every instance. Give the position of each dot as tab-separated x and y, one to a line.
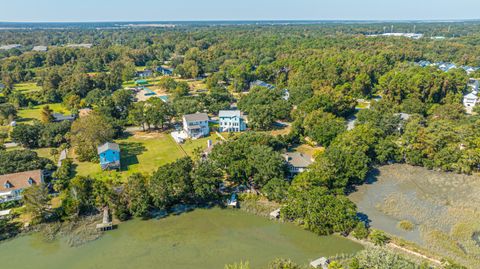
12	185
196	125
470	100
231	121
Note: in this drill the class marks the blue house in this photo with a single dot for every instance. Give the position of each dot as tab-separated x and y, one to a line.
109	154
231	121
165	71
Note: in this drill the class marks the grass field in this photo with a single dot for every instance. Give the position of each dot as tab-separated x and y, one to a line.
145	153
29	114
27	87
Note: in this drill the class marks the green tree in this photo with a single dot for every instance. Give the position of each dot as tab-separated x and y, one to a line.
171	183
320	212
36	200
88	133
323	127
138	198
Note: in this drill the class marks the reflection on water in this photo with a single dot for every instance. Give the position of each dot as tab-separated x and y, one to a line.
204	238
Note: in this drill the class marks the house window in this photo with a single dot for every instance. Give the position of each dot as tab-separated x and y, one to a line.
31	181
7	185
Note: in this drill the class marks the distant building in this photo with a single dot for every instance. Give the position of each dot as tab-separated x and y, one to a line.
141	82
10	47
231	121
165	71
82	113
2	86
63	156
84	45
473	85
408	35
196	125
297	163
320	263
423	63
109	154
259	83
57	117
470	101
445	67
40	48
144	74
12	185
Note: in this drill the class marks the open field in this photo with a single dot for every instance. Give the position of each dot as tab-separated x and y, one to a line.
443	208
144	152
194	84
29	114
27	87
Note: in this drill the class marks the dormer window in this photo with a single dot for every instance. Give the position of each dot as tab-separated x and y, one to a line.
31	181
8	185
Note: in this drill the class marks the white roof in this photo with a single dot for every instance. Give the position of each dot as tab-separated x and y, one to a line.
229	113
319	262
5	212
471	96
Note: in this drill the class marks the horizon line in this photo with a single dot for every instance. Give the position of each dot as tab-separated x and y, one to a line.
248	20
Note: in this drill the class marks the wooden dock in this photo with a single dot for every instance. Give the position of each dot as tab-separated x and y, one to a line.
106	224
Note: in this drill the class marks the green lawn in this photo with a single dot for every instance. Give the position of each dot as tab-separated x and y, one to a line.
27	87
145	152
29	114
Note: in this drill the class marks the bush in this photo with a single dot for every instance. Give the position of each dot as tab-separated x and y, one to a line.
360	231
406	225
379	238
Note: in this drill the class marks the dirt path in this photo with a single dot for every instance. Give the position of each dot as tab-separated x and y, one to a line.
414	253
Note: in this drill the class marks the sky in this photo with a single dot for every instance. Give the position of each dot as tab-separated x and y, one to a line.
193	10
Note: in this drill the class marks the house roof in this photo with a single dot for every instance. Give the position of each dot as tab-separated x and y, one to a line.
297	159
19	181
40	48
470	96
84	112
196	117
261	84
108	146
229	113
61	117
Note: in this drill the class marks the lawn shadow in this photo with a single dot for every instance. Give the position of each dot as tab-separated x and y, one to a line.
129	153
21	120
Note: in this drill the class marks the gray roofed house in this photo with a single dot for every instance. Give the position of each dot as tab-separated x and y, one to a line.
196	117
40	48
297	162
9	47
196	125
260	83
57	117
84	45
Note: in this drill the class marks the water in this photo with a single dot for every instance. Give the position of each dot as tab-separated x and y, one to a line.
204	238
